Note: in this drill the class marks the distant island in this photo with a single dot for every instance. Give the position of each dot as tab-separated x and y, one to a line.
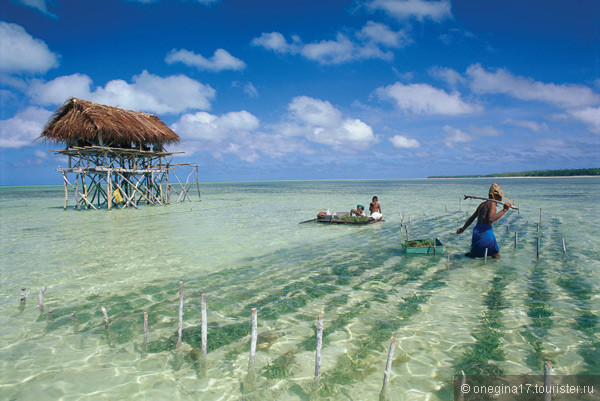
568	172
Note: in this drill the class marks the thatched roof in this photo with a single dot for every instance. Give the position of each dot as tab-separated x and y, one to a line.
81	120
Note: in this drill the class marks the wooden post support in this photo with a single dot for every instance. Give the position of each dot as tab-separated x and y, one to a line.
105	314
539	240
485	256
23	294
179	331
319	346
109	189
66	190
253	336
516	239
547	381
204	333
388	365
564	246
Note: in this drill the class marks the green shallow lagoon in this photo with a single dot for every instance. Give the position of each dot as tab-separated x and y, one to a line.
242	246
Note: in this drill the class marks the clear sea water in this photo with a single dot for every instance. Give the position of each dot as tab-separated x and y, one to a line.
242	246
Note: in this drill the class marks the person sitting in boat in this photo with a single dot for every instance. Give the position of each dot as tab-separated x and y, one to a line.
359	211
483	233
375	209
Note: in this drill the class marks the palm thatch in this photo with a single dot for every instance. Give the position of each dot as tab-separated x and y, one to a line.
83	123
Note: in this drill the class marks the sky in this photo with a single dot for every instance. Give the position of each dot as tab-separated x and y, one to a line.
309	90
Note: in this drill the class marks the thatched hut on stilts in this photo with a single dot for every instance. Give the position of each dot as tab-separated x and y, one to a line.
117	156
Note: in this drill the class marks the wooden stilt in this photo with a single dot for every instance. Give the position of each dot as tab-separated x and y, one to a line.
109	189
564	246
516	239
485	256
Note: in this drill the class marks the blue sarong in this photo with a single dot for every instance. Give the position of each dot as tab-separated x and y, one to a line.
483	237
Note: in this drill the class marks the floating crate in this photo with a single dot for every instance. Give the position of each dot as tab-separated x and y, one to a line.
410	247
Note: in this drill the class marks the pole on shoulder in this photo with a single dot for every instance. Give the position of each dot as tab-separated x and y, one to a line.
488	199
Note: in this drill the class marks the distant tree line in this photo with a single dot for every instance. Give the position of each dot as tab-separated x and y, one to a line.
566	172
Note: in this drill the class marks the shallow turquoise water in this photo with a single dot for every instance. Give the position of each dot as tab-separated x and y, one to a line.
242	246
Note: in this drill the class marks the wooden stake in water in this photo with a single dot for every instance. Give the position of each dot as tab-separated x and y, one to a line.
564	246
145	327
463	381
105	314
204	333
23	294
515	239
253	336
485	256
537	254
547	381
388	365
180	329
41	298
540	216
319	345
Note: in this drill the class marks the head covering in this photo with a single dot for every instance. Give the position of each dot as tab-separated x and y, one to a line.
361	206
495	189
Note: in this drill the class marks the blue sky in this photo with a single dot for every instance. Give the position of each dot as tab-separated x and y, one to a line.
275	90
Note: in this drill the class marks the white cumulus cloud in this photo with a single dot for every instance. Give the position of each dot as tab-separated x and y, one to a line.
590	116
425	99
22	53
22	129
455	136
221	60
235	133
404	142
147	92
274	41
372	42
320	122
40	5
419	9
503	82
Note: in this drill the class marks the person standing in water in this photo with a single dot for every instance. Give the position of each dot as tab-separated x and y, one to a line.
483	233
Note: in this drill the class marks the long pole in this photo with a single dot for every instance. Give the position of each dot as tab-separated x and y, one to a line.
488	199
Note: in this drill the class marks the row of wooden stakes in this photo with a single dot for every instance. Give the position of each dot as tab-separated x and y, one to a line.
204	332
